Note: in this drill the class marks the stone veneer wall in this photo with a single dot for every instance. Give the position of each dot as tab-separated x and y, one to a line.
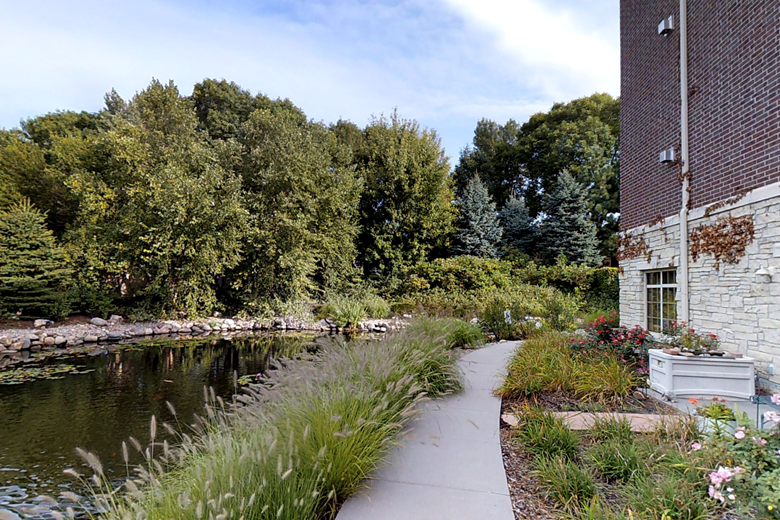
728	300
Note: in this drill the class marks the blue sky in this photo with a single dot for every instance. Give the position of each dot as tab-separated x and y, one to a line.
445	63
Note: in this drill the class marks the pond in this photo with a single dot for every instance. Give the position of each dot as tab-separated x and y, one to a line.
97	400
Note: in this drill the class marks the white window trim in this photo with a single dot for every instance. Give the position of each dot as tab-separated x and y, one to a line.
661	286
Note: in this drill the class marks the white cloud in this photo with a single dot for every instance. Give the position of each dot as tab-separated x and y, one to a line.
558	51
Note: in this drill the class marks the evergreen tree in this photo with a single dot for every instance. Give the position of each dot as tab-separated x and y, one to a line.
33	268
517	225
567	228
478	231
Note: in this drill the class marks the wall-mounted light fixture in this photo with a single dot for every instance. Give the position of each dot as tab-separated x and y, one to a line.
667	156
666	26
764	275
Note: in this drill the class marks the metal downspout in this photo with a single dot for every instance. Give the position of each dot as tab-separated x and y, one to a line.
684	305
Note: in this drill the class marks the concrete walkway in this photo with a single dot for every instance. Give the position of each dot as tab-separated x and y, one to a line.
449	465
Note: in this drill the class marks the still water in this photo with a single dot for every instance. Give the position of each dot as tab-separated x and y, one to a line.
113	397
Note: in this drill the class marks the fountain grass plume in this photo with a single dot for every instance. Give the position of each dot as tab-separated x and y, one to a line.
296	445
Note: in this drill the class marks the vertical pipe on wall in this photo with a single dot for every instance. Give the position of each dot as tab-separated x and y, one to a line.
684	314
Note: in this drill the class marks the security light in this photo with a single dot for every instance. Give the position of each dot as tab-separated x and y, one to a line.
666	156
666	26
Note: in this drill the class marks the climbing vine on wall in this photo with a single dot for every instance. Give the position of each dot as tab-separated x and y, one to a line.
726	239
632	246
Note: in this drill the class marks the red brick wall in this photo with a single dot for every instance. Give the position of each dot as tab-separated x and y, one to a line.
734	101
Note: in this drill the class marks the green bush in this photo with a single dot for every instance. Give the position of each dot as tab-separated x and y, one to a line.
556	310
615	460
458	274
564	481
297	445
545	435
597	285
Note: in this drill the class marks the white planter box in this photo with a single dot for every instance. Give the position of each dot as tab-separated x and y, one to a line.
679	376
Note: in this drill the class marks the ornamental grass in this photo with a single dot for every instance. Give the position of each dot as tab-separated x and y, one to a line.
294	447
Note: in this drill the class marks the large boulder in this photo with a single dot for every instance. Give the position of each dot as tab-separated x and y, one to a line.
98	322
39	324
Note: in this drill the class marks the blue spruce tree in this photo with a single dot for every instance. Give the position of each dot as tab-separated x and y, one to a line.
517	226
567	229
478	232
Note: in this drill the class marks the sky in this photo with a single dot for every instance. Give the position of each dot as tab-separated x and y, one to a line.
445	63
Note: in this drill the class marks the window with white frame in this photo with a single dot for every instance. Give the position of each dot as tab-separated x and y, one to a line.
661	299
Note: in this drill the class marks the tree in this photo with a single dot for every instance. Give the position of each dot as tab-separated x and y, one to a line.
223	107
494	158
567	229
164	219
40	158
478	232
517	225
524	160
406	211
302	195
581	136
34	270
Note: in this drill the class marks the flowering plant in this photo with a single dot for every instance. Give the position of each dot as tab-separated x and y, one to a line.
678	335
747	476
605	334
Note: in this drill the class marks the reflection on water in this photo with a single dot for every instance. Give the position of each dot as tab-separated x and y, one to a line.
42	422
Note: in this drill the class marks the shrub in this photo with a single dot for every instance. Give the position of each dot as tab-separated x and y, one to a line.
615	460
545	435
605	334
457	333
297	445
458	274
564	481
513	315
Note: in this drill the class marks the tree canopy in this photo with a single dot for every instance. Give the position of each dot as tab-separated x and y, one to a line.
173	204
581	136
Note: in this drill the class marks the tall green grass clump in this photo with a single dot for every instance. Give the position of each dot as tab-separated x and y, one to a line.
458	333
564	481
546	364
545	435
294	447
349	311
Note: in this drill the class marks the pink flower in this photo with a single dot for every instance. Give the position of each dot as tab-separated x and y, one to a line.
759	440
739	435
722	475
772	416
717	495
696	446
776	398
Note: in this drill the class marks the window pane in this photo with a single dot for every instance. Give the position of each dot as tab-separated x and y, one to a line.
654	325
670	277
653	278
669	294
653	296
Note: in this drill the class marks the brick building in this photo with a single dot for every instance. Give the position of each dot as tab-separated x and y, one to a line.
700	159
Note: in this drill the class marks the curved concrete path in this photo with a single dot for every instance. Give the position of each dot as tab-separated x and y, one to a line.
449	465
